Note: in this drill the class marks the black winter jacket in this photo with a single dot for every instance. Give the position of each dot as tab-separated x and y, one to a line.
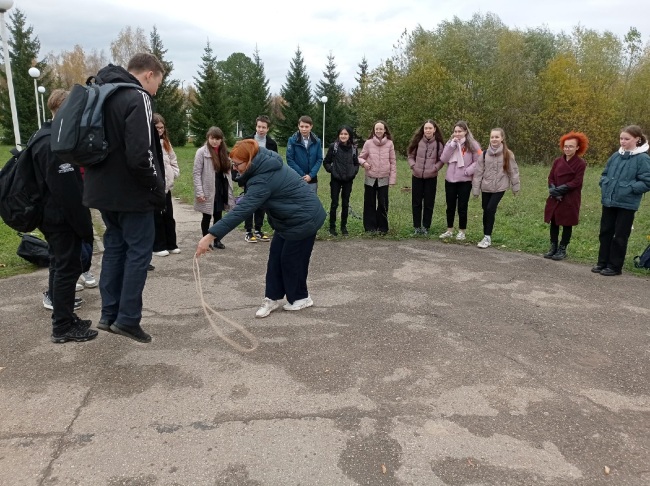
132	177
341	161
63	209
293	209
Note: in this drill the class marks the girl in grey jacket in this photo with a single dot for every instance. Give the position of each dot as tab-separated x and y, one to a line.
496	172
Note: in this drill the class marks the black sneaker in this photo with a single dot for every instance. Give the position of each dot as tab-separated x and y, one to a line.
150	268
136	333
104	325
85	323
77	332
219	245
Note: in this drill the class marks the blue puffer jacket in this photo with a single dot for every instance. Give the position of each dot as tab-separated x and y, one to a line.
294	210
305	161
625	178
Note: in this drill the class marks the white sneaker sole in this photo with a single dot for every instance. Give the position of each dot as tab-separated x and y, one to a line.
289	307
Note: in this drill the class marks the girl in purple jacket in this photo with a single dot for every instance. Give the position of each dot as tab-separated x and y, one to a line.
460	154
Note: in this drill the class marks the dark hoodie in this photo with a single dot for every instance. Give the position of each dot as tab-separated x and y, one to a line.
293	209
131	178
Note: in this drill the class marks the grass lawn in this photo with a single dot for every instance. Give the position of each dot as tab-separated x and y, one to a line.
519	221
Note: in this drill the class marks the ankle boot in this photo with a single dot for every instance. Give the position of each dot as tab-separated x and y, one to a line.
552	251
560	254
333	224
344	230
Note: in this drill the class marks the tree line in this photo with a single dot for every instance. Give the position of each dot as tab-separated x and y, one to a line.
535	84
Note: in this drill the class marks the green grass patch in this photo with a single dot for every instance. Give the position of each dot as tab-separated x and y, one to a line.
519	221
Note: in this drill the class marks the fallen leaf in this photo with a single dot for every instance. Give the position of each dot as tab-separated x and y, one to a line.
383	468
470	463
607	470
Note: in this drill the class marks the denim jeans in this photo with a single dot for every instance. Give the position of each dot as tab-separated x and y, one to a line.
128	243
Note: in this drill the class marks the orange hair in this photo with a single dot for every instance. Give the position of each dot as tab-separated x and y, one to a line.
583	141
245	150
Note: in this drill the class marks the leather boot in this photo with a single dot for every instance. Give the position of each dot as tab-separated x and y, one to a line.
560	254
552	251
333	224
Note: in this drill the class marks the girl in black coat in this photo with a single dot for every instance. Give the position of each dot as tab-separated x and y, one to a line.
342	162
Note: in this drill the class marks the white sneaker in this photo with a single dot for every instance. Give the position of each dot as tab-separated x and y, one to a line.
485	242
89	280
78	287
447	234
175	251
460	236
299	304
161	253
267	307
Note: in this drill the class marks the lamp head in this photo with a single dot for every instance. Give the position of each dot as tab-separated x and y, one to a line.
41	89
6	5
34	72
323	99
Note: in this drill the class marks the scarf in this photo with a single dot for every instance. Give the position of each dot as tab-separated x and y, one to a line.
457	156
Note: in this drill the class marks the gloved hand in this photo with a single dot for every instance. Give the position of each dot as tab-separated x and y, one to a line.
553	192
563	189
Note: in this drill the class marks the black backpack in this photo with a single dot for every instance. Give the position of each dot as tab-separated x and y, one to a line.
33	249
643	260
78	127
21	188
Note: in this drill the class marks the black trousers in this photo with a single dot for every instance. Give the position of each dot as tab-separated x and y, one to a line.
165	225
457	192
615	229
567	231
259	221
344	189
423	195
65	269
288	267
375	208
490	201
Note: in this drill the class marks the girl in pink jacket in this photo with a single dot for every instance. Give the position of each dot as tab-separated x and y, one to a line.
460	154
378	160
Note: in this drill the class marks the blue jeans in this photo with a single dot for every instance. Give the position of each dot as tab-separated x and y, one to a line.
287	269
128	244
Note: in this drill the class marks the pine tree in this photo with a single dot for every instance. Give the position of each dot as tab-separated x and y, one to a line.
169	100
296	93
209	107
359	92
337	112
23	54
256	98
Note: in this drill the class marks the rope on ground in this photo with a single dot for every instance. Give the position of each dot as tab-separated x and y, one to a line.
207	310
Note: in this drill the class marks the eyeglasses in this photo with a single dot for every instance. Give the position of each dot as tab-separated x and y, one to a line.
237	164
570	146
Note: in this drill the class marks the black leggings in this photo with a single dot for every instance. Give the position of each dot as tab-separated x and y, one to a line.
205	221
457	192
555	233
490	201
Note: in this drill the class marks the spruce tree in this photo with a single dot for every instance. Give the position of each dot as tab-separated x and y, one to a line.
209	107
256	98
169	100
337	112
359	92
296	93
236	71
23	53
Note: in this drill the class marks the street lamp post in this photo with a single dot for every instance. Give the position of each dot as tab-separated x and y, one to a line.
41	89
4	6
35	73
324	101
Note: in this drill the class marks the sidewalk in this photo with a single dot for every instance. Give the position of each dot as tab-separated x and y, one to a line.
420	363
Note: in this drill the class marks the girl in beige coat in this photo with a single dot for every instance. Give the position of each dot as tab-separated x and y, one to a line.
212	180
496	172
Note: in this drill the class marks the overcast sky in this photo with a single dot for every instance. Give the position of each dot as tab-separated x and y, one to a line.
350	30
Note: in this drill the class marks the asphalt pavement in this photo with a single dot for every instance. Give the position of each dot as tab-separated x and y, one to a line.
421	362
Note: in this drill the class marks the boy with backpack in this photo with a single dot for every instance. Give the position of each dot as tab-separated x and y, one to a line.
66	225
